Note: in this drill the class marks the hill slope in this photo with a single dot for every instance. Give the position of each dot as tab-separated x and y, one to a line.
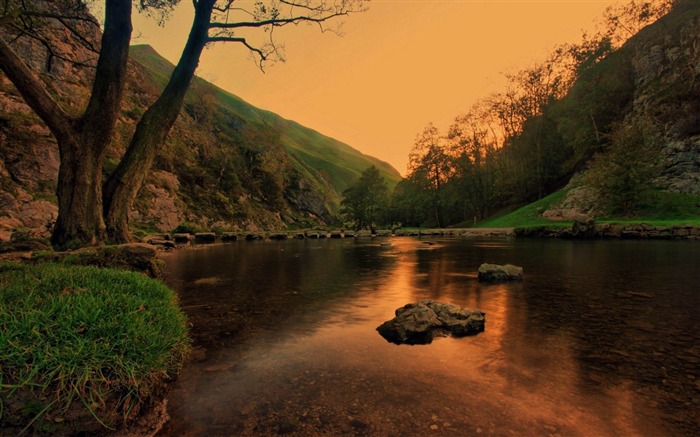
226	164
324	159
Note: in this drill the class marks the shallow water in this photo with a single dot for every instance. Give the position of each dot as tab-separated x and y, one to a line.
602	338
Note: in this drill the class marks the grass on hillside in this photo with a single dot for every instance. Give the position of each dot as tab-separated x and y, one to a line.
104	339
658	209
318	155
527	216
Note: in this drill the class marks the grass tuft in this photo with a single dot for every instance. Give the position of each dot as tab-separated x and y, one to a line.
105	338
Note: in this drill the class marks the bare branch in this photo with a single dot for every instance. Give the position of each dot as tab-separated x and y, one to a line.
278	22
263	55
227	7
79	35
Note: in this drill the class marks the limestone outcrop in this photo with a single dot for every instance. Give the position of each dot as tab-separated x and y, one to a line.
421	322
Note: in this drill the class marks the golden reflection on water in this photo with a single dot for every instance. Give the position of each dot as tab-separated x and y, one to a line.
325	371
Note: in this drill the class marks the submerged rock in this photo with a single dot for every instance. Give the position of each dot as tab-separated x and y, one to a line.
496	273
420	322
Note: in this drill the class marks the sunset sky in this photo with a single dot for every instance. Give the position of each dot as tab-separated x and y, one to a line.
399	66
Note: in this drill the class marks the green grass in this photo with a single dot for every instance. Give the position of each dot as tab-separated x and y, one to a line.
96	337
657	209
323	159
527	216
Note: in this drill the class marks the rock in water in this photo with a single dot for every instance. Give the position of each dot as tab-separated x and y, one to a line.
420	322
496	273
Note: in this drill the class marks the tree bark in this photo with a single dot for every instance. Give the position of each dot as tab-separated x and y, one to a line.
82	142
80	221
79	194
121	188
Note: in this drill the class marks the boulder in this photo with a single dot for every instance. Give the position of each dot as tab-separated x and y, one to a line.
182	238
24	245
583	228
205	237
140	257
229	236
165	244
420	322
496	273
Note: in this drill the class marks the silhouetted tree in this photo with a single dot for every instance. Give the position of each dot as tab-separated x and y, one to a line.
365	202
430	166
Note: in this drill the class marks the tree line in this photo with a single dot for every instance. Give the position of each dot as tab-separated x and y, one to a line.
517	145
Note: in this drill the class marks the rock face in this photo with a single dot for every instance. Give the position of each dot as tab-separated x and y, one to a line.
666	89
496	273
663	61
420	322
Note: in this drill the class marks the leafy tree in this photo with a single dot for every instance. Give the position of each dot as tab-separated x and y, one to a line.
365	202
627	168
410	204
473	145
89	212
623	21
430	167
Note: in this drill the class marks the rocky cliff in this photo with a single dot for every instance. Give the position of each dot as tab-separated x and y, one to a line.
666	65
662	90
226	165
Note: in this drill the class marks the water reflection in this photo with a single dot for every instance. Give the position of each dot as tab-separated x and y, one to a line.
601	338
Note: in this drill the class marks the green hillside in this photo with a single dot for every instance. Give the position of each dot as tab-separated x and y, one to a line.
318	157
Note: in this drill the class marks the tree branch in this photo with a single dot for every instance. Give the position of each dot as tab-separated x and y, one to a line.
263	55
110	76
34	93
278	22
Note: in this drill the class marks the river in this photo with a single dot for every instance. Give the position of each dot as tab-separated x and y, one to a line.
601	338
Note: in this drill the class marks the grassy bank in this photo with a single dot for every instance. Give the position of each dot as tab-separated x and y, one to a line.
83	349
657	209
527	216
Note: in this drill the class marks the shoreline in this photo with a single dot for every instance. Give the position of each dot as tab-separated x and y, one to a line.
609	231
577	231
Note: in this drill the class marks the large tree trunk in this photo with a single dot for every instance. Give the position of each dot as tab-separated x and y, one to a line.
121	188
79	193
82	141
80	221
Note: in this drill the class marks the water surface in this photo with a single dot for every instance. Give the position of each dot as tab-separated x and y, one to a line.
602	338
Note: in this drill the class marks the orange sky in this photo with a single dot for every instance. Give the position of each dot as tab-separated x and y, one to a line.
400	65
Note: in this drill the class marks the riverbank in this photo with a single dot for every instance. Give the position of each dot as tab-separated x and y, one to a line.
577	230
86	350
183	239
590	230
